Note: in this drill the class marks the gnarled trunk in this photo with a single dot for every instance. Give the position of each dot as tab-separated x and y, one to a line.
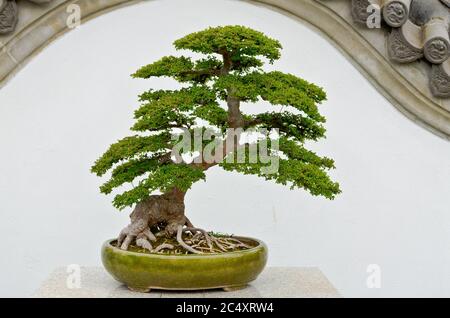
163	212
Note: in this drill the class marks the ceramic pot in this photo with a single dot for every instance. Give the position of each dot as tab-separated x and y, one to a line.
143	272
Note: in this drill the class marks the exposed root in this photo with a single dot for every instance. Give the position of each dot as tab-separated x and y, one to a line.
187	240
136	231
159	220
162	247
239	243
219	244
205	234
201	241
141	242
183	244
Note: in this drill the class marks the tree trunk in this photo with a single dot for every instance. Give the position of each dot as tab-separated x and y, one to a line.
163	212
235	119
167	210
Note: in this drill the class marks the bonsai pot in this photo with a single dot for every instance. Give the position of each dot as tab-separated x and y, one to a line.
144	271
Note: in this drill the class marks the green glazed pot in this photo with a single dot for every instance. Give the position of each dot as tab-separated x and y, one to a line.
142	272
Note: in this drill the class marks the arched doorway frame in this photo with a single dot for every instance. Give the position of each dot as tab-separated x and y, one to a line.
410	98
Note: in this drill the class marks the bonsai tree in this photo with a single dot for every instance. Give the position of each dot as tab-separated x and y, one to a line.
212	91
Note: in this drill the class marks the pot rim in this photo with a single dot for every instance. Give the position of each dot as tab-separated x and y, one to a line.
261	245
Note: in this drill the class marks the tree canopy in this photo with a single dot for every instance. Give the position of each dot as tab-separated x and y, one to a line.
212	89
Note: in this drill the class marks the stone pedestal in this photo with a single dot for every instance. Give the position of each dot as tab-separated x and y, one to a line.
295	282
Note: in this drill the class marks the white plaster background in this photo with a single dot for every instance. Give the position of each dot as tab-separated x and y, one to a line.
74	99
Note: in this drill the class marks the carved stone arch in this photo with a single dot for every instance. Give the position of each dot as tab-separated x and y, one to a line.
407	87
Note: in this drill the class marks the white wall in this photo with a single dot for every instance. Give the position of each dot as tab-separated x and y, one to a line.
62	111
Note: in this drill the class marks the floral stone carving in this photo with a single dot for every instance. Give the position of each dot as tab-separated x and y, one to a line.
9	14
419	29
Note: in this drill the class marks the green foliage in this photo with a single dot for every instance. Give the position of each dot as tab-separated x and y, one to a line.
239	41
164	178
129	148
294	173
302	169
213	114
169	109
245	87
183	69
183	99
292	125
288	90
232	67
167	66
296	151
129	171
275	87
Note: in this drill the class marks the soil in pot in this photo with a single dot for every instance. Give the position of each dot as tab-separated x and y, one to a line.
201	242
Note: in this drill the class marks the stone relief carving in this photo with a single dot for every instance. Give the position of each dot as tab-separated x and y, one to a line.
359	10
9	14
440	80
396	13
419	29
436	51
400	50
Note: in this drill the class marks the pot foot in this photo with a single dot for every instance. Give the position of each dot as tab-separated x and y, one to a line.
234	288
139	290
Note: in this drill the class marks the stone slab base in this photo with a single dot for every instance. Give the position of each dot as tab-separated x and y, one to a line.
274	282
